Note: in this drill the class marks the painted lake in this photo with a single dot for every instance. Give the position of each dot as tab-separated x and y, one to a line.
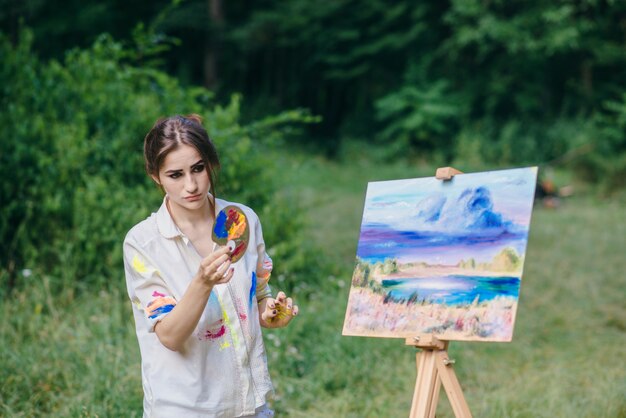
452	289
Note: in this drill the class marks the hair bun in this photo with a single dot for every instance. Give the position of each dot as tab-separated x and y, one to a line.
195	118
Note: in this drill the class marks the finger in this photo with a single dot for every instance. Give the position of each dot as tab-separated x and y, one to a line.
295	310
223	269
208	272
216	264
226	278
289	303
222	250
222	258
280	298
217	253
271	303
269	314
213	257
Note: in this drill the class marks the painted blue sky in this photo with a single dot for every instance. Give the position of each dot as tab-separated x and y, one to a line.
425	219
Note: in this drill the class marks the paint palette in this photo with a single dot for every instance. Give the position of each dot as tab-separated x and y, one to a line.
231	229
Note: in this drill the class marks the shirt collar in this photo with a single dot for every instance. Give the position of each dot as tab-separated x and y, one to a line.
166	225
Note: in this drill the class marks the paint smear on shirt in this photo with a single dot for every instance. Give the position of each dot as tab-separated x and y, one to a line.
252	290
243	318
137	303
160	306
138	265
263	274
241	310
228	325
265	270
216	331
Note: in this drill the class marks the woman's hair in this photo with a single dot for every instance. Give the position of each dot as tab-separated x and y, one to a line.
167	134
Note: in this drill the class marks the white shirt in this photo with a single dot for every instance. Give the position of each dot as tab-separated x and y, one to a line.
222	370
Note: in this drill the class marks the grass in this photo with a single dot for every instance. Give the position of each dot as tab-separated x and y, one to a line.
569	337
67	356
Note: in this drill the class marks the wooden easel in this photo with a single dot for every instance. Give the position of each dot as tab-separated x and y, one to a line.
434	368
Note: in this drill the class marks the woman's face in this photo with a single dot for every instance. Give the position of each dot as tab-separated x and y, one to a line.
185	178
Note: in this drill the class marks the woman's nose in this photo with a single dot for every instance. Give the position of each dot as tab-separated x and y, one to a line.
190	184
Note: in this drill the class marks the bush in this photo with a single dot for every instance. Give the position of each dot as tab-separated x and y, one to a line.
71	165
517	142
419	116
604	160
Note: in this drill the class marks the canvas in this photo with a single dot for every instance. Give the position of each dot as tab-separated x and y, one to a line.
442	257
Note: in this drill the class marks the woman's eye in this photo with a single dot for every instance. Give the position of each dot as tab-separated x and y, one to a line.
175	175
198	168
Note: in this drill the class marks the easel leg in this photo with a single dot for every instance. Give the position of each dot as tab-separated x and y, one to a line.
452	386
427	386
433	370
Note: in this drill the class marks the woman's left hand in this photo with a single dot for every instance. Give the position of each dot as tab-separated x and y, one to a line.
277	313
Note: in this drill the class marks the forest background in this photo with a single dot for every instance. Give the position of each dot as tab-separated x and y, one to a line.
307	102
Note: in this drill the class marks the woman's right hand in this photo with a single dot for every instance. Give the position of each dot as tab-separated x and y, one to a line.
176	327
216	268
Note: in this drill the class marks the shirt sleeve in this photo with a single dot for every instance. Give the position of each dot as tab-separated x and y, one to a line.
264	265
146	287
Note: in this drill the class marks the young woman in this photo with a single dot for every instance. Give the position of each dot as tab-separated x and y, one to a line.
198	315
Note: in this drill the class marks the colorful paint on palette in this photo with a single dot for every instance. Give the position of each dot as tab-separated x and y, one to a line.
231	229
220	229
239	250
230	224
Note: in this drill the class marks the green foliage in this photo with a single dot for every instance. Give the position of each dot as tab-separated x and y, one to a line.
605	159
334	58
72	166
523	58
419	116
479	84
467	81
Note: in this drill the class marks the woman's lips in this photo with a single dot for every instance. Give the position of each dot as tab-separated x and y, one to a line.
193	198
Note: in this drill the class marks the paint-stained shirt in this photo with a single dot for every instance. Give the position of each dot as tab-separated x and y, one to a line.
222	369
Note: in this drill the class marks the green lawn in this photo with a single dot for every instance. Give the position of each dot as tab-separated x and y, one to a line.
566	358
77	355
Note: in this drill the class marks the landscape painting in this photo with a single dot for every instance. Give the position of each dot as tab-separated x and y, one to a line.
442	257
